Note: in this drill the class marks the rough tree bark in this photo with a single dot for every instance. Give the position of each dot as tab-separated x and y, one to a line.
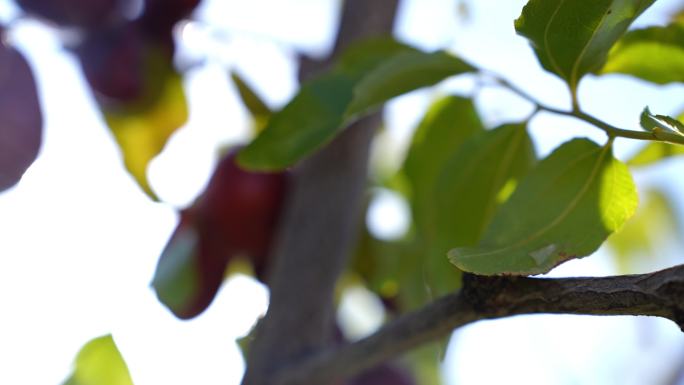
319	225
659	294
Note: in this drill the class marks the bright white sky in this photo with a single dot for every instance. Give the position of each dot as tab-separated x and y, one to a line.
80	242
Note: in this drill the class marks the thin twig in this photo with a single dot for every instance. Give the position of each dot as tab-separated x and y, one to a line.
609	129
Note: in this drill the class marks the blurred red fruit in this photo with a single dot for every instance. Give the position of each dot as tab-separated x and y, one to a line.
123	65
22	121
159	16
76	13
236	215
113	63
243	207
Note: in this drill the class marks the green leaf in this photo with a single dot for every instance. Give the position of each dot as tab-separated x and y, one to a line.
319	111
643	235
254	104
176	279
466	195
310	120
142	133
446	125
565	208
573	37
653	123
362	57
100	363
654	152
403	73
654	54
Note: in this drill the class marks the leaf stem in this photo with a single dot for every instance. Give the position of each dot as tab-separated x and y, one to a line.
577	113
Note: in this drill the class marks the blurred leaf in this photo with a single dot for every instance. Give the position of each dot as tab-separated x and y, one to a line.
100	363
565	208
573	37
425	362
143	133
367	74
653	224
655	54
362	57
654	152
311	119
256	107
446	125
403	73
176	280
191	267
22	120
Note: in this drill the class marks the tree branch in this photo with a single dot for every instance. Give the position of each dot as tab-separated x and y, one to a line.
658	294
319	224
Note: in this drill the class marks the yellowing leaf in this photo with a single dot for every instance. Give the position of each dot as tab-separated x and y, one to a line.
100	363
142	134
565	208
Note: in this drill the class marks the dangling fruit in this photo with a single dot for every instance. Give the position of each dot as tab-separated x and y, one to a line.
22	121
235	216
76	13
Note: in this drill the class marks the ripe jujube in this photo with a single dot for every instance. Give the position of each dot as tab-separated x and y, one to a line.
22	120
159	16
76	13
125	66
244	207
236	215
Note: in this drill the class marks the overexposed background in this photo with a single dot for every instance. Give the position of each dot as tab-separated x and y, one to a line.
79	241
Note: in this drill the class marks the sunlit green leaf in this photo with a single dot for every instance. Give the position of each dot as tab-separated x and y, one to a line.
642	236
655	54
465	195
100	363
256	107
565	208
142	133
402	73
573	37
471	180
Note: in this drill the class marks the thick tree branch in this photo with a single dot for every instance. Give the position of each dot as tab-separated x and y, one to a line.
658	294
319	224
